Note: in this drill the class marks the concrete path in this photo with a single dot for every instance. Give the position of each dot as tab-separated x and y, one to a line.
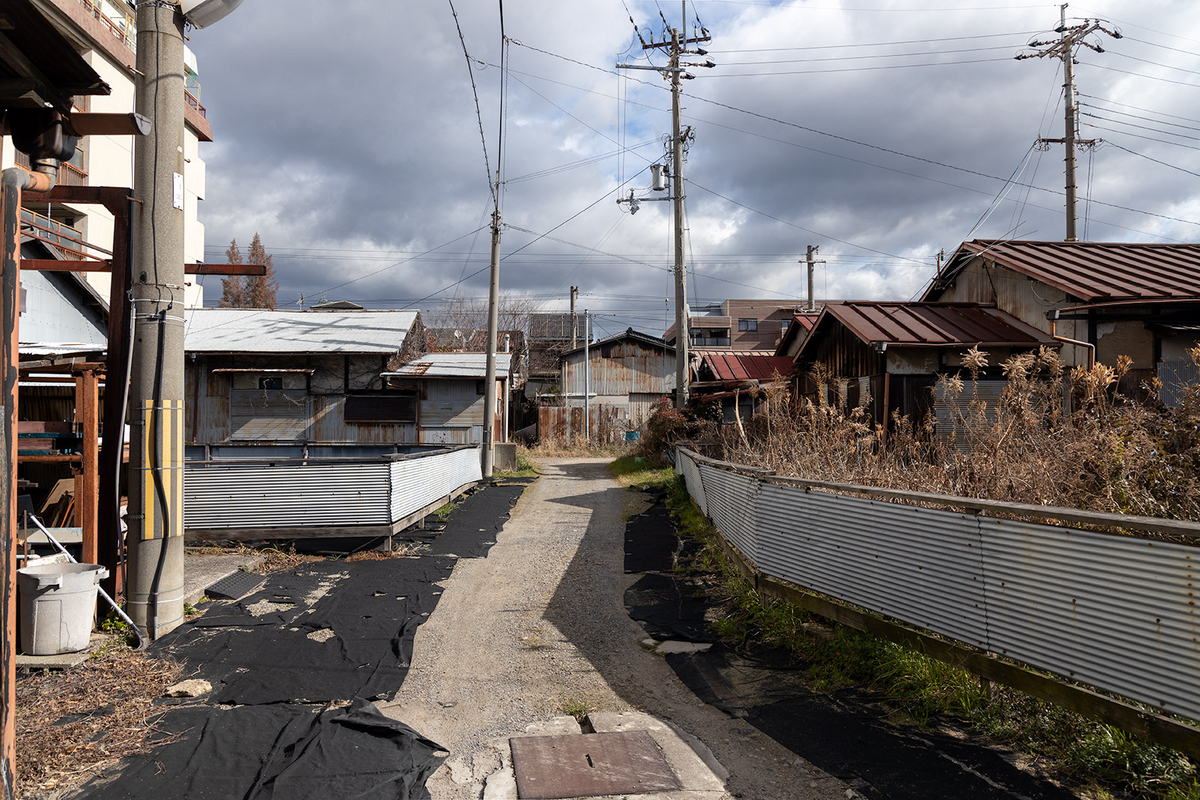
538	629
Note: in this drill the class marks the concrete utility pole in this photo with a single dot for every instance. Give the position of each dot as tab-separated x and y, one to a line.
676	72
810	259
574	320
489	389
156	396
587	377
1070	39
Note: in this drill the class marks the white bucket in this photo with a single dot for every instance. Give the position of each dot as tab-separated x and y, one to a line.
58	603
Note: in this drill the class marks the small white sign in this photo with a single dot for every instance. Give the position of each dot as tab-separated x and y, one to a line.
178	202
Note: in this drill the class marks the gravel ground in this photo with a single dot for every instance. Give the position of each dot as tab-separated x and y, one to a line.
539	627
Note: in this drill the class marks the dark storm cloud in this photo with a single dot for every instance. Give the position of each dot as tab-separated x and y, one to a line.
349	140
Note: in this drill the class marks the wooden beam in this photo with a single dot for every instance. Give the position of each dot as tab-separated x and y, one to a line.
87	495
225	269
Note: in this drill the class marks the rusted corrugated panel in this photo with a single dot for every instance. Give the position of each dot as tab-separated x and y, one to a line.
1099	270
734	366
936	324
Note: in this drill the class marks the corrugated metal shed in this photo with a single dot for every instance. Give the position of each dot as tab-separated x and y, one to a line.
452	365
929	325
1092	271
630	334
254	330
732	366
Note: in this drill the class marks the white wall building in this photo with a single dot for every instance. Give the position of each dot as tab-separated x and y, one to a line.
104	33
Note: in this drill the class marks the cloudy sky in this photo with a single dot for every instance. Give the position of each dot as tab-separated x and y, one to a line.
883	131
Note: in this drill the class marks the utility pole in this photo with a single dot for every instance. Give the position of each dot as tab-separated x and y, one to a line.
574	319
156	395
1069	41
489	388
587	378
812	252
677	45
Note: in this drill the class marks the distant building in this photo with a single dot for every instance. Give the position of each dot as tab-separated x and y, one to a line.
1118	299
737	379
450	391
550	335
263	377
737	324
628	374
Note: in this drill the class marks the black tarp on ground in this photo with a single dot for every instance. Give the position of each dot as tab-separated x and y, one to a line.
472	527
650	541
339	630
845	733
282	752
323	631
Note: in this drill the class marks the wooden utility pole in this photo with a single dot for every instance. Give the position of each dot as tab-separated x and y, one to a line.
676	43
1069	41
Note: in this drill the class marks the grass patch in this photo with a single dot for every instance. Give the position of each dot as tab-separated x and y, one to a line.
1108	761
632	470
526	467
576	707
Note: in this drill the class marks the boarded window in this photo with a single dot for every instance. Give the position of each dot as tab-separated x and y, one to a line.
268	415
381	408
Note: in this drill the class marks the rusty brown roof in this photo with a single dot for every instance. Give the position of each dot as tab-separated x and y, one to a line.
1093	271
733	365
929	325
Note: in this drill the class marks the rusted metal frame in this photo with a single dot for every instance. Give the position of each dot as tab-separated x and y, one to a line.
10	205
226	269
74	367
114	198
1169	527
64	265
61	458
87	402
1164	730
109	542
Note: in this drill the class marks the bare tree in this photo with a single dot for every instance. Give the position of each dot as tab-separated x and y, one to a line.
261	289
233	288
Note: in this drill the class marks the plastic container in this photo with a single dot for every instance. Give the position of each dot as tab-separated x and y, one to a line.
58	603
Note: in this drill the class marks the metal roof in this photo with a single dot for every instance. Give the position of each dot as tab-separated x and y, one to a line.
930	325
453	365
1092	271
733	365
256	330
628	333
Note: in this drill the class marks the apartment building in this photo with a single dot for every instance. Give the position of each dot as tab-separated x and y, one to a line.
104	33
737	324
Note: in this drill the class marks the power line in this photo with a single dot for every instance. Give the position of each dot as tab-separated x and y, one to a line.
474	91
861	58
1139	127
876	44
1139	108
855	69
1139	116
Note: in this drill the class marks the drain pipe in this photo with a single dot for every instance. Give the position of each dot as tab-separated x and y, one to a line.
12	183
1053	315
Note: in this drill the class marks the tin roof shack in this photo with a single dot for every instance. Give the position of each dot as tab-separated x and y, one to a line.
886	356
1131	299
736	380
298	377
450	392
796	332
629	372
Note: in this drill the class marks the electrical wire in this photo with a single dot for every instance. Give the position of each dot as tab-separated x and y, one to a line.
1143	118
1139	127
478	113
877	44
1111	143
853	69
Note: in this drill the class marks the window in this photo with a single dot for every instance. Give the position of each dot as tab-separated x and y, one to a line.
787	323
747	324
270	383
480	387
381	408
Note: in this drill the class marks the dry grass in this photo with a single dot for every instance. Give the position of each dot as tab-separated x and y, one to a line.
550	448
271	558
1108	453
73	725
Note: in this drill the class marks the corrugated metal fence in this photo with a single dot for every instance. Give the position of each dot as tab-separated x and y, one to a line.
323	492
1114	612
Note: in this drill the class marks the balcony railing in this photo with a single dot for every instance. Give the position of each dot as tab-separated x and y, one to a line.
68	173
124	28
709	341
194	103
67	239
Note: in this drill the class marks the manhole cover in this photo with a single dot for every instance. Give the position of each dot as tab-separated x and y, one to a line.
555	767
236	586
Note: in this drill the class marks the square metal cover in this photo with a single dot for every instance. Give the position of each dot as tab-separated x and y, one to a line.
558	767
